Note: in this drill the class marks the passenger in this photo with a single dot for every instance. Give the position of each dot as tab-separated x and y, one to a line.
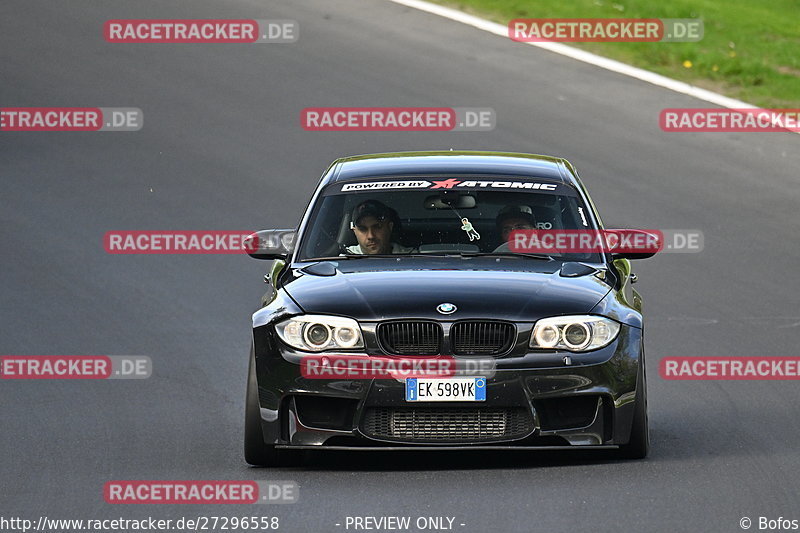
373	223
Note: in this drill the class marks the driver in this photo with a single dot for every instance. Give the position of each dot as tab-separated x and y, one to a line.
510	218
373	222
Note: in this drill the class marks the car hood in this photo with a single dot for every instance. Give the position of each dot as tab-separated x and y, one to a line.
501	294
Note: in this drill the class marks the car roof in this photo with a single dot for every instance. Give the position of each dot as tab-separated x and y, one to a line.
450	162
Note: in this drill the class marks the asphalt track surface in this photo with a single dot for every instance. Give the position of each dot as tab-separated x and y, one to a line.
222	148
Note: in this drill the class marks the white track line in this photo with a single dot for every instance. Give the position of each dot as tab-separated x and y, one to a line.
586	57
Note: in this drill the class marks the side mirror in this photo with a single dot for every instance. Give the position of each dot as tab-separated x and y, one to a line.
633	243
270	243
632	256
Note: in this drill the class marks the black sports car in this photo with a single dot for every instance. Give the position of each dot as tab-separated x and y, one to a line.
405	257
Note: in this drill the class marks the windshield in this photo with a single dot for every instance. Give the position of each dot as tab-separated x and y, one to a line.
438	216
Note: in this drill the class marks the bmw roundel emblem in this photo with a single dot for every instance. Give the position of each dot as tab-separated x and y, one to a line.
446	308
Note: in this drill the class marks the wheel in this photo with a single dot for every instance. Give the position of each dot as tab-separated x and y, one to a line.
256	451
639	444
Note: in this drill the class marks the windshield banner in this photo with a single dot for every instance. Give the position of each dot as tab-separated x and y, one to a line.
444	183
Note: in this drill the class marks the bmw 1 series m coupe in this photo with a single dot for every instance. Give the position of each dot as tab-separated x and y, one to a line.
400	315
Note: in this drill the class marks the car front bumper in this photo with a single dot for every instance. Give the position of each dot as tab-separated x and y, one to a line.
535	401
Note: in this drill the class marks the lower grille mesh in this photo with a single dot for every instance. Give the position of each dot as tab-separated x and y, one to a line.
447	425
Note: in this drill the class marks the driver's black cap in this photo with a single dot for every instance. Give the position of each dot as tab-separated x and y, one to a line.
371	208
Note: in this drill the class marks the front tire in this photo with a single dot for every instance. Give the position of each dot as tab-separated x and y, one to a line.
639	444
256	451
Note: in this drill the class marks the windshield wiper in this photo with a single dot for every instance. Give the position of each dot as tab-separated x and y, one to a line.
433	254
359	256
508	254
333	257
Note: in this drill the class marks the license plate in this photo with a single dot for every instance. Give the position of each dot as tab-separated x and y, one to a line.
446	390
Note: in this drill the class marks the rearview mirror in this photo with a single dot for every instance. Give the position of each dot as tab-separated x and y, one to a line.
450	199
270	243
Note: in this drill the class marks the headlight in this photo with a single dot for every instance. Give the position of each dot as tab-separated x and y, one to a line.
578	333
315	333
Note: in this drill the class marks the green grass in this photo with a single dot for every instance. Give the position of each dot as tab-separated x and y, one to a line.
750	49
